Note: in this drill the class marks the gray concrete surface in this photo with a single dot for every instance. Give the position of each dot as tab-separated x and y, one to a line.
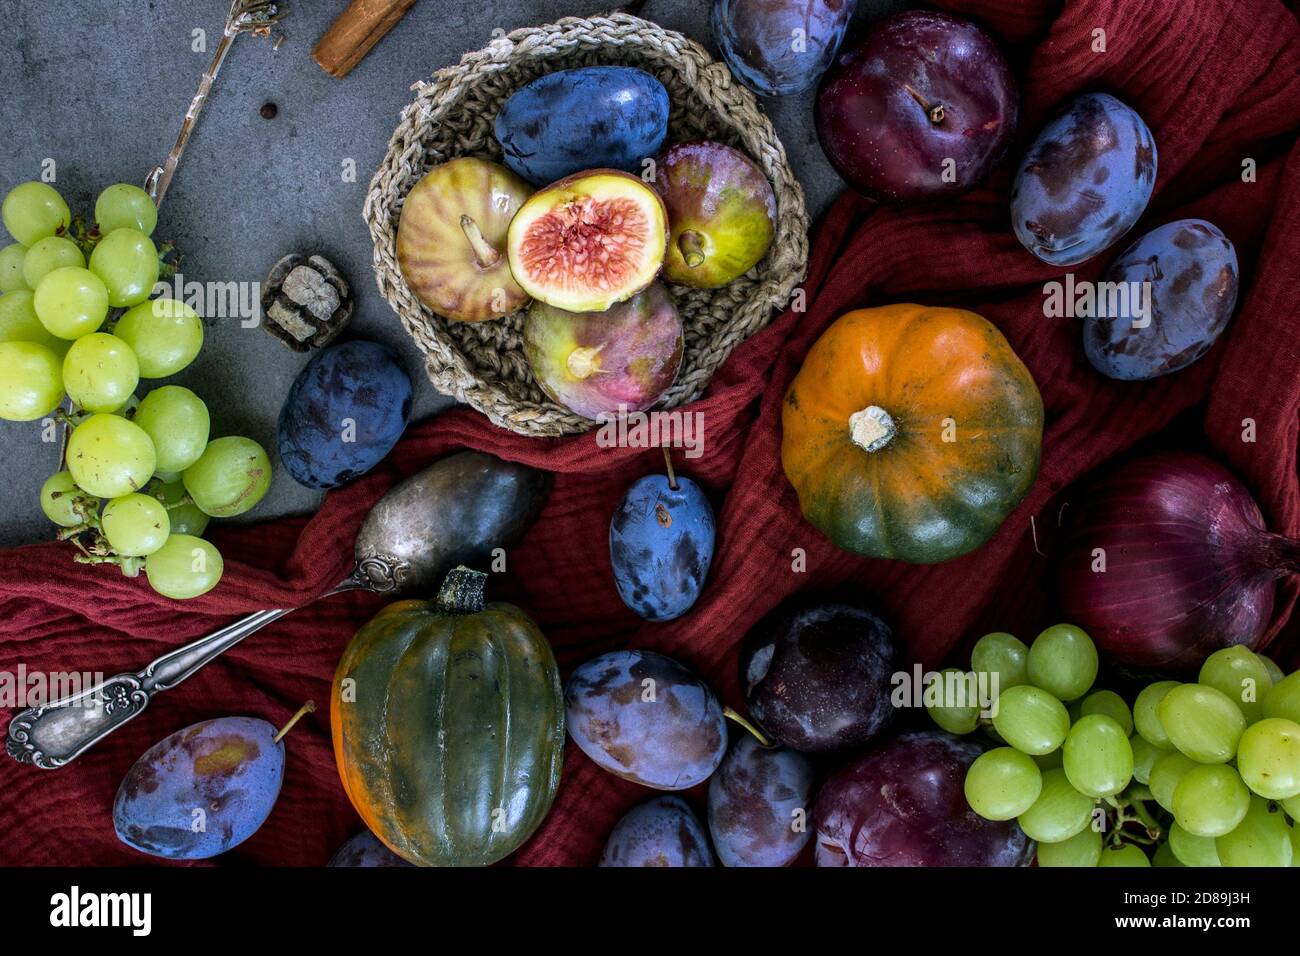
99	87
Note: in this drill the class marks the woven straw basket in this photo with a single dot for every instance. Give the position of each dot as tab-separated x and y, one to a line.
483	364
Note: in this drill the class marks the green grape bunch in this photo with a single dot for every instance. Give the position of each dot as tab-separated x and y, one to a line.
141	477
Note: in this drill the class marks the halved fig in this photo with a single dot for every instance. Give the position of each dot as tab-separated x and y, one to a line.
600	363
451	240
589	241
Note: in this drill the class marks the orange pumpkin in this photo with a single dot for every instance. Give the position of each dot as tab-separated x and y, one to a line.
911	432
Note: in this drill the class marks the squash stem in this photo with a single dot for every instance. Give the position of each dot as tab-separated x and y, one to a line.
872	428
484	254
758	734
672	475
461	591
303	711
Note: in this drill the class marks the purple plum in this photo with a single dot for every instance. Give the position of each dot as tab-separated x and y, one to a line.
661	832
760	801
779	47
366	850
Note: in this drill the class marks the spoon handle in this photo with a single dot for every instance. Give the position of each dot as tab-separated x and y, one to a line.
56	733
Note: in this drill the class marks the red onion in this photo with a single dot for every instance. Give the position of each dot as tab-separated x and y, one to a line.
1189	567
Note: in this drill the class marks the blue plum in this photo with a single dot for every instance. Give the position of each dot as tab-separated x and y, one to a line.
201	791
661	545
646	718
1188	270
1084	182
779	47
760	804
592	117
661	832
366	850
345	411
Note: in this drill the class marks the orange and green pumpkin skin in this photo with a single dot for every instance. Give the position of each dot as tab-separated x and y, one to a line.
449	733
956	450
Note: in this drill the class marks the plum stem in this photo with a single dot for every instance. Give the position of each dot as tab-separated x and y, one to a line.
303	711
933	111
872	428
758	734
582	361
672	475
691	246
484	254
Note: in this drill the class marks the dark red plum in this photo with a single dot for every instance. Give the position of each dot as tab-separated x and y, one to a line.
921	108
1190	270
760	804
661	832
661	546
904	804
201	791
345	411
779	47
366	850
1084	182
644	717
817	675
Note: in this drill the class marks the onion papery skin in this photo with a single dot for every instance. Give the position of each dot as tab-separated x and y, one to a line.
1189	567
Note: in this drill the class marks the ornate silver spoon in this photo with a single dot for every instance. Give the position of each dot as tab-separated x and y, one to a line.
456	511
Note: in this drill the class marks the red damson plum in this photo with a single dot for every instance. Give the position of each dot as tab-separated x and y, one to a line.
345	411
202	790
760	802
1187	271
922	107
661	545
779	47
817	675
904	804
366	850
661	832
646	718
1084	182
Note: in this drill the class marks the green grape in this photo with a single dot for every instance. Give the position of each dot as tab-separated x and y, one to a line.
1295	845
1125	854
1002	654
1146	718
1241	676
184	567
1210	800
1202	722
1275	674
1059	812
230	476
11	268
1292	806
185	516
1097	757
127	261
1166	774
50	253
1002	783
1063	661
1145	755
1282	699
1082	849
1192	850
1262	838
31	381
71	302
110	456
100	372
1269	758
177	421
165	333
958	715
135	525
1031	720
124	206
18	323
33	210
1165	856
1051	761
1112	705
63	502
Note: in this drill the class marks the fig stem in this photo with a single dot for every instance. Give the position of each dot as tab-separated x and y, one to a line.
672	475
484	254
582	361
691	246
758	734
303	711
933	111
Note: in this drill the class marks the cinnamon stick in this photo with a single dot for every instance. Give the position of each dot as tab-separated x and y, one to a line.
358	28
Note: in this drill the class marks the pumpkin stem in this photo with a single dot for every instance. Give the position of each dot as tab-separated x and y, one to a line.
672	475
872	428
758	734
484	254
461	591
303	711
